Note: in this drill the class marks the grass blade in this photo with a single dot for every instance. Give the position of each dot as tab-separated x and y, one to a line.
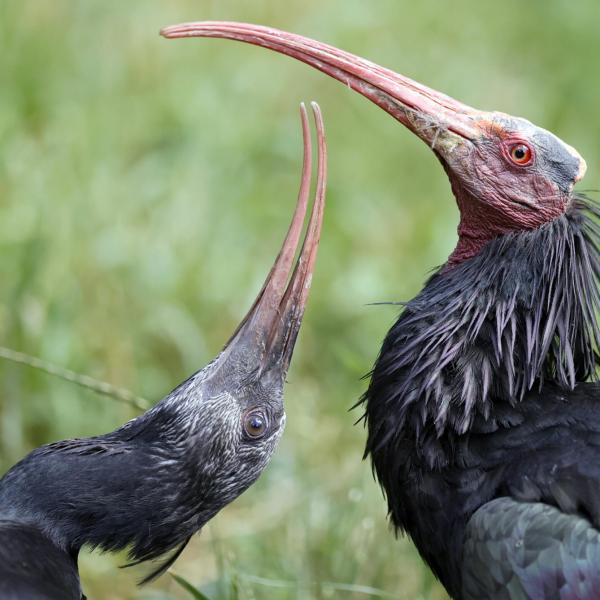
188	587
96	385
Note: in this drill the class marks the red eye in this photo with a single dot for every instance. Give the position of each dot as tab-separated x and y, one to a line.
520	154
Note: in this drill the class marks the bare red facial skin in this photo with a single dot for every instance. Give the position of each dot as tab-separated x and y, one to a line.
497	194
481	222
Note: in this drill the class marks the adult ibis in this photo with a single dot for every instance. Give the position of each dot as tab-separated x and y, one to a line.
151	484
482	411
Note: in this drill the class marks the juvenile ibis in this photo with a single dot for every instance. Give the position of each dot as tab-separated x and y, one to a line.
483	411
151	484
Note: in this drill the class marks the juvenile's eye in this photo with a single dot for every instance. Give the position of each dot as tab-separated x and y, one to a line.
255	424
521	154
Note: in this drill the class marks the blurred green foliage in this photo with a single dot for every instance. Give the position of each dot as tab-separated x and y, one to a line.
145	186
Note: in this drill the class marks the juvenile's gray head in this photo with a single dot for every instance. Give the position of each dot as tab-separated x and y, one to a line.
232	411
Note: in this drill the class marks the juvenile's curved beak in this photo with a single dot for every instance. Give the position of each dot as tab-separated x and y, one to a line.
440	121
266	336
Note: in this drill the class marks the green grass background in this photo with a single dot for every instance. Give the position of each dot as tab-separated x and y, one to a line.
145	186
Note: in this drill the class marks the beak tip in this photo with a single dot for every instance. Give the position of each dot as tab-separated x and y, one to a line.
274	320
173	31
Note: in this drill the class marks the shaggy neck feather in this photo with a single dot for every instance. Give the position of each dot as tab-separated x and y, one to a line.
520	313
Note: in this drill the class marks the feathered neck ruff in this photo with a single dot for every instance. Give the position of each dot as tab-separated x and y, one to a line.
517	315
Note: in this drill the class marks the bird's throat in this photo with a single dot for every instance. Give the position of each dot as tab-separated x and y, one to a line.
483	219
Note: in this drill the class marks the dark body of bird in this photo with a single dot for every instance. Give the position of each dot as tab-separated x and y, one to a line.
483	424
154	482
489	410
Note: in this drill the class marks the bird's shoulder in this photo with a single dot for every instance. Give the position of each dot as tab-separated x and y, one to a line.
538	536
546	449
32	567
518	549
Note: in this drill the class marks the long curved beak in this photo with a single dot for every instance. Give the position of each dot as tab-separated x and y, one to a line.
269	331
437	119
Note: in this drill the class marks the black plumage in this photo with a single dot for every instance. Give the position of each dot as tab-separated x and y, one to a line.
32	567
483	411
525	542
520	312
151	484
486	410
